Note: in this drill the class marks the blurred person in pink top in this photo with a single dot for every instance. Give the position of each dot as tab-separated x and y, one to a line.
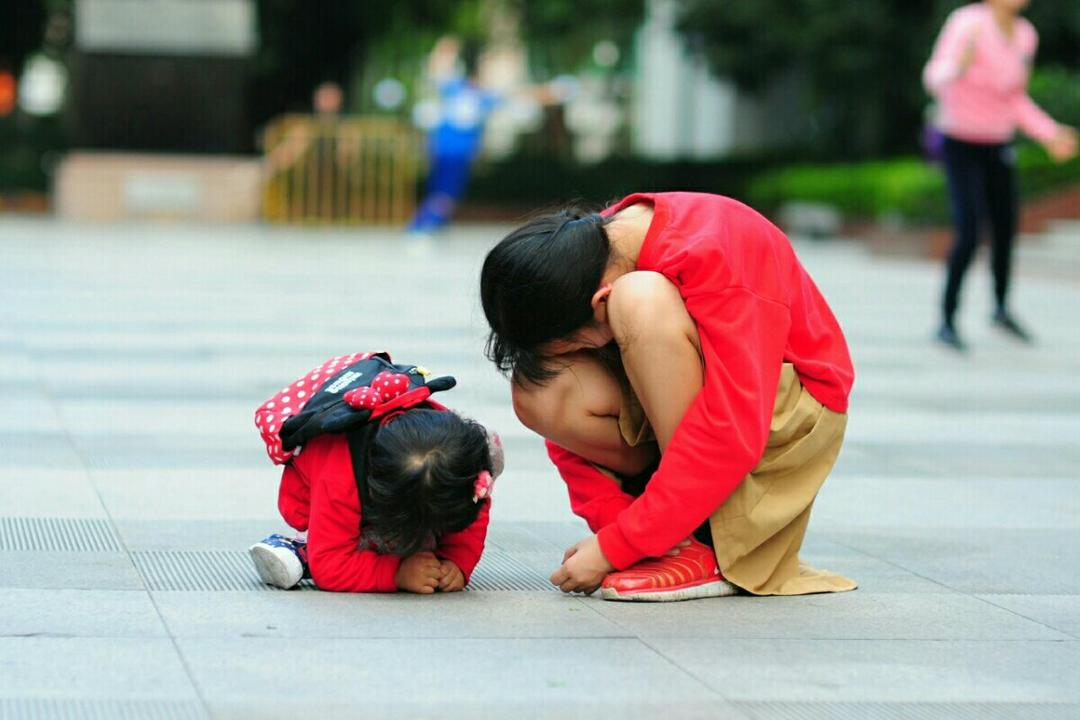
978	73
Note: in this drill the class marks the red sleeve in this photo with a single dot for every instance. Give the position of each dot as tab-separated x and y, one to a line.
594	496
723	434
334	529
294	498
464	548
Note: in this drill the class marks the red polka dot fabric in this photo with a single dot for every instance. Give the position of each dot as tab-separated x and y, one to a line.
273	413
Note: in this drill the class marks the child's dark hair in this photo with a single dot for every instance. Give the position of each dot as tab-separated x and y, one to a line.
421	477
537	286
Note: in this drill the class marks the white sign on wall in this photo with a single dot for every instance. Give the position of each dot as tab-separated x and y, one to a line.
166	27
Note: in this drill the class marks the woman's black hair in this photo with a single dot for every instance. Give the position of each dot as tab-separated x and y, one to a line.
421	477
537	286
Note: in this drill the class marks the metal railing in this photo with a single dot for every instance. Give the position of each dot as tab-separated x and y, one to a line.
340	170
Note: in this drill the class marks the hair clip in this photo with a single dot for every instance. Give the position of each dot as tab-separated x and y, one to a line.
483	485
495	450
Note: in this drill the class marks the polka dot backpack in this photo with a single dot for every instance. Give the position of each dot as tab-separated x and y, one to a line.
343	393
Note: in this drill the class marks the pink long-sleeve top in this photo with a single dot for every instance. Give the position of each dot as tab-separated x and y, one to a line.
986	101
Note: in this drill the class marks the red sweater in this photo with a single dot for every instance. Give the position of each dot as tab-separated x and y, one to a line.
755	308
318	494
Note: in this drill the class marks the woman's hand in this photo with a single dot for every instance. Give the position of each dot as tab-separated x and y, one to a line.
452	579
584	567
1062	146
420	573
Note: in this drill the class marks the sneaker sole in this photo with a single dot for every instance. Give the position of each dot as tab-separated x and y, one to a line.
274	568
691	591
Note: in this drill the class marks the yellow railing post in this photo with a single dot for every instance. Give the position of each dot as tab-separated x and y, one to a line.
359	170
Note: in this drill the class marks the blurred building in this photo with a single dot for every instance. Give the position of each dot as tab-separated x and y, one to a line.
155	84
680	110
161	74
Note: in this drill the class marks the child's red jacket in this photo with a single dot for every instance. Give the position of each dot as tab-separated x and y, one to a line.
318	490
755	307
318	494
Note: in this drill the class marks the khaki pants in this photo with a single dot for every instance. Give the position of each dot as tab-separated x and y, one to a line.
759	529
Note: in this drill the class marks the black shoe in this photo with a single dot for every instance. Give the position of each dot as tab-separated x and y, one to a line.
946	335
1006	322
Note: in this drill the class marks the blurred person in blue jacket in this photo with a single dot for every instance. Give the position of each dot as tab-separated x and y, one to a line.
456	129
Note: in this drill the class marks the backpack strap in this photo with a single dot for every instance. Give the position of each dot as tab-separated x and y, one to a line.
360	438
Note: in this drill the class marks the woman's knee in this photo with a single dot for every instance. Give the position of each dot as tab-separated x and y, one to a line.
532	402
583	387
646	306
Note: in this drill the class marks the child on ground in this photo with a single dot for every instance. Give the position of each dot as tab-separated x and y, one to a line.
691	383
389	489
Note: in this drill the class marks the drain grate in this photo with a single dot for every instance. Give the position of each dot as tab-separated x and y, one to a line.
57	534
200	570
908	711
232	571
49	709
499	571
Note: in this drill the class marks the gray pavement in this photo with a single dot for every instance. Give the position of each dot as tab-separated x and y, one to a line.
132	479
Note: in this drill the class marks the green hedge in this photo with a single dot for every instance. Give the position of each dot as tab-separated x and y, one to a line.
534	181
906	187
909	187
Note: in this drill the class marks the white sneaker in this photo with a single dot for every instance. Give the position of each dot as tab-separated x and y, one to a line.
279	561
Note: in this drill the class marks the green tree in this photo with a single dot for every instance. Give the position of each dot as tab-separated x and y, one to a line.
304	42
857	65
561	33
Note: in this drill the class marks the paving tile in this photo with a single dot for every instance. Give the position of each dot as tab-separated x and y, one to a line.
141	534
34	451
1061	612
966	460
980	560
324	615
191	418
29	412
78	613
882	671
869	501
841	616
96	709
40	492
93	668
534	673
75	570
175	494
163	452
913	710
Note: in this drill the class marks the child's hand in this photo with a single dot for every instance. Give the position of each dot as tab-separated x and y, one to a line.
452	578
419	573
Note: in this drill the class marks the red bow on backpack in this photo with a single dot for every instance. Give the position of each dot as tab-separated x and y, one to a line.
386	393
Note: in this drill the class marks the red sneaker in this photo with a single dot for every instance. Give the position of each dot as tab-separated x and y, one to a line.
690	575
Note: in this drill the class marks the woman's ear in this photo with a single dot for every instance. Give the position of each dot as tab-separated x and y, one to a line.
599	302
601	295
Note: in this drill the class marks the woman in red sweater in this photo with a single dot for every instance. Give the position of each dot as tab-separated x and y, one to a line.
674	339
392	490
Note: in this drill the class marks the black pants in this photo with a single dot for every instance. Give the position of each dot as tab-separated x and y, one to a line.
982	184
